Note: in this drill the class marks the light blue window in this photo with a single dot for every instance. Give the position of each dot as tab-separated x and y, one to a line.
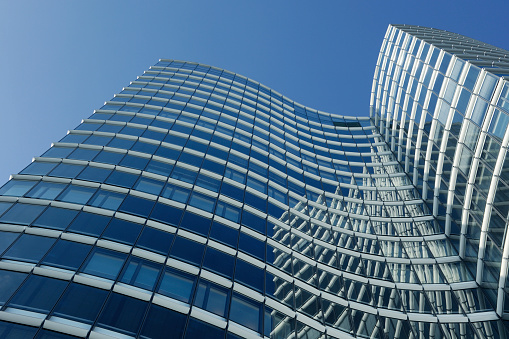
141	273
77	194
107	199
46	190
104	263
17	188
177	285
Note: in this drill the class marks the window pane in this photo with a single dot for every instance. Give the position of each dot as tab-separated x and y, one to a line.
163	323
77	194
141	273
29	248
17	188
67	254
177	285
57	218
105	263
10	282
115	317
89	223
155	240
211	297
74	306
38	293
123	231
46	190
245	312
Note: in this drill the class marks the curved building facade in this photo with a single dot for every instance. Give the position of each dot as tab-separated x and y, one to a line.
198	203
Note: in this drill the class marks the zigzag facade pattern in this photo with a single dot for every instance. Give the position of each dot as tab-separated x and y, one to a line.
208	205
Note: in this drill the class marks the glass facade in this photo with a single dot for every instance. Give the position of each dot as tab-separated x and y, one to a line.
198	203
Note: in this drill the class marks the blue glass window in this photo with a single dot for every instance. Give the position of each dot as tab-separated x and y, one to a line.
219	262
141	273
137	206
57	218
195	223
187	250
109	157
253	221
148	185
38	293
155	240
67	254
66	171
9	330
83	154
74	306
163	323
10	282
249	275
159	167
77	194
246	312
29	248
46	190
115	318
166	214
107	199
23	214
228	211
123	179
183	174
202	201
232	191
252	246
212	297
89	223
177	284
224	234
199	329
122	231
39	168
94	174
134	162
104	263
58	152
17	188
176	193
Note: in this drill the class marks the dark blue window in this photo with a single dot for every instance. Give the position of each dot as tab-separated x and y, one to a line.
253	221
6	239
89	223
183	174
94	174
141	273
232	191
47	334
219	262
167	214
249	275
57	152
67	254
212	297
155	240
137	206
38	293
29	248
252	246
246	312
163	323
124	179
9	330
187	250
22	214
66	171
177	284
159	167
122	231
10	283
167	153
122	143
109	157
195	223
104	263
134	162
224	234
57	218
198	329
74	306
115	318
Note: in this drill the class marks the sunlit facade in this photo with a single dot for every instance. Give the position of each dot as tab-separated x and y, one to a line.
198	203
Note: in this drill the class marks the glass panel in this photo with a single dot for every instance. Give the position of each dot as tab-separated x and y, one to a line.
104	263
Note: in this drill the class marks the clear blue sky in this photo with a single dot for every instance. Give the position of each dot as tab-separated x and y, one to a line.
60	60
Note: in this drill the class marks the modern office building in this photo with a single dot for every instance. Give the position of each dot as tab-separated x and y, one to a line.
198	203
